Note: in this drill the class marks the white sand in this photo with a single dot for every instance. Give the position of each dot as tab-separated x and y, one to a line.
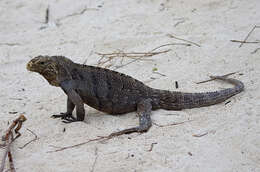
233	139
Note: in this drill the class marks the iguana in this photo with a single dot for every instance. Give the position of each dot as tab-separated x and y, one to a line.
116	93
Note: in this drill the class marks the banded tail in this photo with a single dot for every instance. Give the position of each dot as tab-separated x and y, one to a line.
171	100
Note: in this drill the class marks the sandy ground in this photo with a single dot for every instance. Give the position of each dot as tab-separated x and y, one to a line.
233	139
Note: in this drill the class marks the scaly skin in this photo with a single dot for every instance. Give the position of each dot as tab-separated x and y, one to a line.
116	93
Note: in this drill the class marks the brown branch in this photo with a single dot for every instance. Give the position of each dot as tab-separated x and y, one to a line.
248	36
7	149
11	162
17	122
232	73
171	36
34	139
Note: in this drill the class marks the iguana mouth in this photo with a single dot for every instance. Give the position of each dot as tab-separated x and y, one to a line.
29	67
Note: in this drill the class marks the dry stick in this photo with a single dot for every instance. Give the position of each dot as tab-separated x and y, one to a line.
80	144
18	121
155	53
255	51
151	148
95	161
170	44
159	73
252	42
102	138
248	35
7	149
11	162
47	15
232	73
176	85
134	55
200	135
171	36
10	44
34	139
77	13
167	125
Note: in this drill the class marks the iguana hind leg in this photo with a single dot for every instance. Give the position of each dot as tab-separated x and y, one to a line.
144	109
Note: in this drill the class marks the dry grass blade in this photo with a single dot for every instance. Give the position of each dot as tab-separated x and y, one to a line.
34	139
226	75
171	36
169	45
200	135
132	55
172	124
248	36
80	144
252	42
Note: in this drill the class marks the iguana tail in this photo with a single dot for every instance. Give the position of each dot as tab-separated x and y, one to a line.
171	100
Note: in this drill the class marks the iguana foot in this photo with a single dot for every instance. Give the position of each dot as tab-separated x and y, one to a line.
65	116
144	111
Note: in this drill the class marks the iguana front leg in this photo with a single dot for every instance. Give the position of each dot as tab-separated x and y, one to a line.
73	100
144	109
67	115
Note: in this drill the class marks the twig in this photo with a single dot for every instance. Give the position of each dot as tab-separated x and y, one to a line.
167	125
47	15
34	139
158	73
77	13
232	73
95	161
248	42
151	147
100	138
150	80
176	85
171	36
10	44
248	36
117	67
179	22
133	55
200	135
255	51
170	44
18	121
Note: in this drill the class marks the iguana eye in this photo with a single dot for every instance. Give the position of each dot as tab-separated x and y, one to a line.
42	63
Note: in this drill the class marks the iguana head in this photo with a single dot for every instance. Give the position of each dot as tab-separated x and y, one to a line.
47	66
